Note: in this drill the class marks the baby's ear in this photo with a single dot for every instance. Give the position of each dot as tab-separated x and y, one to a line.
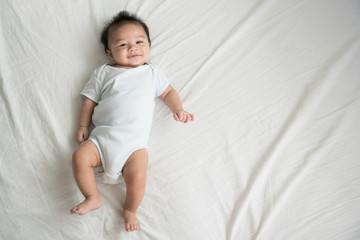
108	52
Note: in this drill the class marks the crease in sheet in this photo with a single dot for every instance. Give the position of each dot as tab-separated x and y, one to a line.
308	102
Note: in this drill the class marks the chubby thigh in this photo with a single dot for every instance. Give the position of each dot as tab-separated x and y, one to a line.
138	161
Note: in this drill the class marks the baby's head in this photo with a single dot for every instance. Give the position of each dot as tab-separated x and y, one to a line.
126	40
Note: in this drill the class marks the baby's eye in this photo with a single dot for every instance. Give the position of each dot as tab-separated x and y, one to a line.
123	45
139	42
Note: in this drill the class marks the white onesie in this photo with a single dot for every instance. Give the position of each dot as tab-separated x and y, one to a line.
124	112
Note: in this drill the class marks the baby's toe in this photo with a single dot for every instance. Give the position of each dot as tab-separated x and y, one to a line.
73	211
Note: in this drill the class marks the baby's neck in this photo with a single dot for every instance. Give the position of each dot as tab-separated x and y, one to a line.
115	65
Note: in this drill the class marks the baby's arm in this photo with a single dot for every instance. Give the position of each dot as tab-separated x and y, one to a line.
86	111
172	100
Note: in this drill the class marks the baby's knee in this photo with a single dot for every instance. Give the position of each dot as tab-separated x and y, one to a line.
135	176
78	158
84	156
139	175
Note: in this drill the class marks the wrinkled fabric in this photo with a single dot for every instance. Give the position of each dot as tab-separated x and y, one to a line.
273	152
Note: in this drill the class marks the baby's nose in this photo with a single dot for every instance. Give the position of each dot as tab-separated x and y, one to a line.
132	47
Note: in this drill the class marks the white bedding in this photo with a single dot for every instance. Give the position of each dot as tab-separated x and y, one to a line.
273	153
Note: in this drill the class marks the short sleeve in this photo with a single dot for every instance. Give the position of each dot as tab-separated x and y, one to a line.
92	89
162	81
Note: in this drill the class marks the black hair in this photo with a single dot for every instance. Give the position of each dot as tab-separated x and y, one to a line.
120	19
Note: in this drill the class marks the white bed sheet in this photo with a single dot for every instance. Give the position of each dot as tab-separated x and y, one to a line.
274	150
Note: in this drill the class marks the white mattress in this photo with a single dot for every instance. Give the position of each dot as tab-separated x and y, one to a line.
274	150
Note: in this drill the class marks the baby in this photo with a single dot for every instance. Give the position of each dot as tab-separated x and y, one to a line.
119	99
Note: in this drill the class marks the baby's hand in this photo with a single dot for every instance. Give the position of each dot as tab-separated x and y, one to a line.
183	116
82	134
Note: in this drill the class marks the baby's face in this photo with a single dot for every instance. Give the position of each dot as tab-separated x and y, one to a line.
129	45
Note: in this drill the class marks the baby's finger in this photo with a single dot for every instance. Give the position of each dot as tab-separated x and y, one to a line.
176	117
180	116
78	137
82	138
183	117
187	118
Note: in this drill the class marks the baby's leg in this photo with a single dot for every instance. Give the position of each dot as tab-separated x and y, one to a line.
134	173
84	159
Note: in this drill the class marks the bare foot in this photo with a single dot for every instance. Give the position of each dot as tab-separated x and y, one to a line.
90	203
131	221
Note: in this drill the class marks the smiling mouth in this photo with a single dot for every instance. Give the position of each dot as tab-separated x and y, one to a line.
134	56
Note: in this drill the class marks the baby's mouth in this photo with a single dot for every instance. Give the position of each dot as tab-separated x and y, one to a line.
134	56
